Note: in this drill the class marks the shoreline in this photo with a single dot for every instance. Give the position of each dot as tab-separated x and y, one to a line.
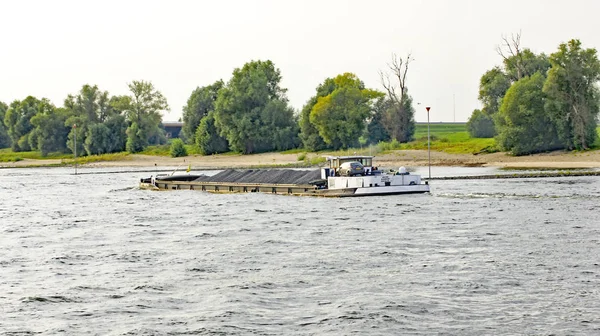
407	158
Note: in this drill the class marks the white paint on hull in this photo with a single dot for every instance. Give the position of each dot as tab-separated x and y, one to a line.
387	190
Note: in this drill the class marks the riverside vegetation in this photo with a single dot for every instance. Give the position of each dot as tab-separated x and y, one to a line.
448	138
533	103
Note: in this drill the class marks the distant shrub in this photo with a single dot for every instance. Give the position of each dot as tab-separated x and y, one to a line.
178	148
317	160
388	146
432	138
488	150
481	125
302	157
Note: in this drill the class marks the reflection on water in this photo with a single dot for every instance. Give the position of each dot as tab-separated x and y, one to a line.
93	254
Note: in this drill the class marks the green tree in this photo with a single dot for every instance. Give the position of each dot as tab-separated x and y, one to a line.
18	121
88	108
77	135
376	130
96	139
519	62
201	102
309	134
525	63
341	116
107	137
47	129
120	105
143	114
117	135
135	139
207	137
399	116
117	124
4	138
283	125
178	148
573	94
252	110
492	88
481	125
90	104
50	133
522	123
399	119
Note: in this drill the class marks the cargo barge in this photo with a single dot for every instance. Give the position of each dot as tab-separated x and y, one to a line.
344	176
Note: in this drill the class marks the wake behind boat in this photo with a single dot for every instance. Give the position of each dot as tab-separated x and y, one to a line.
344	176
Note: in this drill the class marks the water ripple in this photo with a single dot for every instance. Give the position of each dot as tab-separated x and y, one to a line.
93	254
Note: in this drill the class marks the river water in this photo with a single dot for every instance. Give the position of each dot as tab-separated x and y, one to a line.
92	254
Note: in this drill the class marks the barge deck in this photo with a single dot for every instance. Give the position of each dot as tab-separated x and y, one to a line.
244	181
345	177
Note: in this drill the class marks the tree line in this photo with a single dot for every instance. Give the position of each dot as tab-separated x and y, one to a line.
535	103
101	123
250	113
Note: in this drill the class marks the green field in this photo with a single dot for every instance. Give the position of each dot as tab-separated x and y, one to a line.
445	137
439	129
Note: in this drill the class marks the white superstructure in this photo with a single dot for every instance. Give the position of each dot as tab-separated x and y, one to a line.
370	180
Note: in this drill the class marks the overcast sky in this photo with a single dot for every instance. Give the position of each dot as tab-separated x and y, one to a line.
51	48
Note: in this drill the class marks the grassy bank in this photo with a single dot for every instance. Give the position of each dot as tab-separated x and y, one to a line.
7	155
165	150
454	139
450	138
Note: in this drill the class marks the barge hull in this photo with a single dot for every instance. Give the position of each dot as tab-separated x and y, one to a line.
283	189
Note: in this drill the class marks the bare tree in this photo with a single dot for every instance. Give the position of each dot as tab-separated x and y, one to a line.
399	69
398	117
510	51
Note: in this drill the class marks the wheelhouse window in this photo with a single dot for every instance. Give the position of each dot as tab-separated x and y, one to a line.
337	162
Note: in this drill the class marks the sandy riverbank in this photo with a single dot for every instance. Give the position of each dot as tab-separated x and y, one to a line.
557	159
406	158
